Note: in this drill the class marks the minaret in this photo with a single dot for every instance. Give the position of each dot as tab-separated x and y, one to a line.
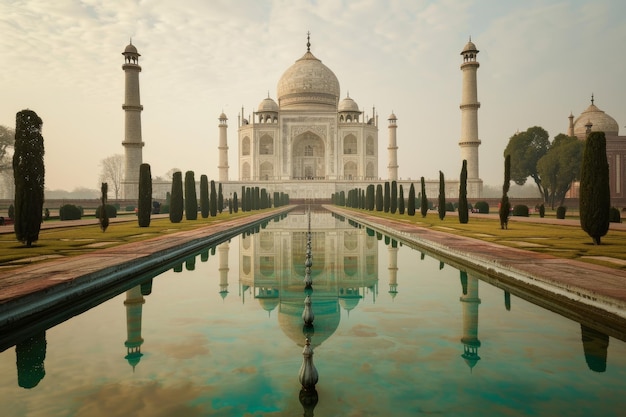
132	123
393	270
470	303
223	149
570	128
134	305
469	141
393	149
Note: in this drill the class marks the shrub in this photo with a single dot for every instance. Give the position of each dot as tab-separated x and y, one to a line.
482	207
11	211
165	209
111	211
560	212
520	210
449	206
614	215
542	211
70	212
129	208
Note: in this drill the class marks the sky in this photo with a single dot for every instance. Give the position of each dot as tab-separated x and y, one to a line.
539	61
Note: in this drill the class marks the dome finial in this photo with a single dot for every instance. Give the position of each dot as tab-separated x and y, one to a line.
308	41
592	98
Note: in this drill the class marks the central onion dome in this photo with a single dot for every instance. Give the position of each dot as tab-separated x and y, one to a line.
601	122
308	85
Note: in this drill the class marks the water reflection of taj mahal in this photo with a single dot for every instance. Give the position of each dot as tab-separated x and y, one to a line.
345	269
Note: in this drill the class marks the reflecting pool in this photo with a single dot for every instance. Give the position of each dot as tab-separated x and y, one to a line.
395	333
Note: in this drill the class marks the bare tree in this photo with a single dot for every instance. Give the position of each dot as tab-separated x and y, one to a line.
113	172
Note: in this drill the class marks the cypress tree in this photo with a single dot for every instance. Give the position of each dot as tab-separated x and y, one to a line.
379	197
595	194
401	201
264	200
394	197
144	205
204	196
463	208
29	175
213	200
220	198
369	197
191	200
411	202
424	199
235	203
104	215
441	209
386	198
505	204
176	204
243	199
248	199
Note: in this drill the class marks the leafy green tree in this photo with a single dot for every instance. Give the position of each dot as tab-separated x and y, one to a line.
424	199
595	194
103	217
401	201
191	200
560	167
411	201
505	205
463	208
29	175
213	200
379	197
386	198
144	203
176	204
394	197
204	196
526	148
441	209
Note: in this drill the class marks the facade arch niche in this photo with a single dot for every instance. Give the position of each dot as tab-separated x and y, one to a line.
350	240
245	171
266	145
350	170
369	170
369	146
308	156
349	145
267	171
245	146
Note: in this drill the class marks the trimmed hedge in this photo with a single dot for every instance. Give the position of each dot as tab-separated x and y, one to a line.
520	210
111	211
70	212
614	215
560	212
482	207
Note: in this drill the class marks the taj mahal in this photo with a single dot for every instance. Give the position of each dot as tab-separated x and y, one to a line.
308	142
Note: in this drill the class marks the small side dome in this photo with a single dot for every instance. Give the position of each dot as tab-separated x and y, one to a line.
347	104
469	47
268	104
223	116
392	116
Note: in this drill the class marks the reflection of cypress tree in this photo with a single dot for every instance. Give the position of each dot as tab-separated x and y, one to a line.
190	263
204	255
441	265
146	287
507	300
464	281
30	355
387	240
178	268
595	345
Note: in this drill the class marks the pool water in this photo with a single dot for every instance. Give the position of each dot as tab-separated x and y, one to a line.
395	333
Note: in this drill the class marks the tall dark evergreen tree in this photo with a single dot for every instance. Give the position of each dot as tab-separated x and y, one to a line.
29	175
176	204
411	201
424	199
387	198
144	203
401	201
213	200
369	197
243	199
191	200
393	204
595	194
204	196
379	197
220	198
441	209
505	204
103	219
249	199
463	207
235	203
